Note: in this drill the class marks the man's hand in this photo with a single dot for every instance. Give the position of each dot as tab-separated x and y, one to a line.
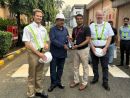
46	46
41	55
93	49
75	47
104	50
66	47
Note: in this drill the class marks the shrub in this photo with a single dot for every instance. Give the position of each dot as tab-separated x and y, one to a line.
6	22
5	42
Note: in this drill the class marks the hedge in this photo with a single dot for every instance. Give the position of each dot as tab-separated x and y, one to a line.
5	42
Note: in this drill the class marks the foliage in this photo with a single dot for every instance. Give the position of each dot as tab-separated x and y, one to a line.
6	22
5	42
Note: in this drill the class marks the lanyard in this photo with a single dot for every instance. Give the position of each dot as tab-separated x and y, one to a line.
35	39
96	30
77	31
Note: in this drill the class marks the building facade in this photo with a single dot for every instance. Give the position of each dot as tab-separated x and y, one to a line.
76	9
105	5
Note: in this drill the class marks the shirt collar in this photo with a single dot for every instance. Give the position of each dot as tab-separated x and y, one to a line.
100	24
36	25
80	27
59	29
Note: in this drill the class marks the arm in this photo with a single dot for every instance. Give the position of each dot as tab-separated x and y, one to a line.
26	39
54	41
83	43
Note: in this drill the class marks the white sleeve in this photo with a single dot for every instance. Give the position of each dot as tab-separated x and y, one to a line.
26	35
46	35
110	31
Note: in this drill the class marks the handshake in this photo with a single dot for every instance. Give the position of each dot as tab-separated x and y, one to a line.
71	44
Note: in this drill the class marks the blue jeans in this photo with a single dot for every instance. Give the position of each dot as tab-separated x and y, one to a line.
56	70
111	52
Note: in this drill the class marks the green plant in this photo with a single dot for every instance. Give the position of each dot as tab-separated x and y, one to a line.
5	42
6	22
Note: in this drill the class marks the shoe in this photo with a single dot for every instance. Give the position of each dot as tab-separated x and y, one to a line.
94	81
106	86
42	95
51	88
120	65
82	87
61	86
73	84
126	67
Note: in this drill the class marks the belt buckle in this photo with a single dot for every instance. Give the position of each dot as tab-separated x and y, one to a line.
99	38
40	50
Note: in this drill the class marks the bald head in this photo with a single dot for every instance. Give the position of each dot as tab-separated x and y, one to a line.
99	16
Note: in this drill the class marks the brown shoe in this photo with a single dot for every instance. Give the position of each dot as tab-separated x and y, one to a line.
73	84
82	87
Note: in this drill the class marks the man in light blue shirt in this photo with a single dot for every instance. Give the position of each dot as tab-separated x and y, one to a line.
125	42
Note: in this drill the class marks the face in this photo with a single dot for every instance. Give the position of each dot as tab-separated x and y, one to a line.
99	16
126	22
60	22
79	20
38	17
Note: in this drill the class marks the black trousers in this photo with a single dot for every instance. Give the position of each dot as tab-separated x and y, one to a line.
124	48
104	63
56	70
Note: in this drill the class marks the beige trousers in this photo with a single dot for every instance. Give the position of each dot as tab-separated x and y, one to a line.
81	56
36	74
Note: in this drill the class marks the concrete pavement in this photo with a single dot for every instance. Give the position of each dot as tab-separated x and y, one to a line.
15	87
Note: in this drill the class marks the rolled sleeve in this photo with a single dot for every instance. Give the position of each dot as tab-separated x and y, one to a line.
26	35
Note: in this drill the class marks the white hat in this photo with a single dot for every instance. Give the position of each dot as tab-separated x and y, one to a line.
49	58
60	15
99	52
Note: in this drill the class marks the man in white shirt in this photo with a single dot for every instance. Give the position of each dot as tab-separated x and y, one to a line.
35	38
101	34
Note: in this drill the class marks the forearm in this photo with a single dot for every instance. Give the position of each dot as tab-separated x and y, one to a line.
30	46
108	42
87	41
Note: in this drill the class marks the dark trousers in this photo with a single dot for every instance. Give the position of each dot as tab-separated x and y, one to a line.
56	70
104	63
125	48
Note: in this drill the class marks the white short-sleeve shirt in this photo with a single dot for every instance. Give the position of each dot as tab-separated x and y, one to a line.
40	33
107	33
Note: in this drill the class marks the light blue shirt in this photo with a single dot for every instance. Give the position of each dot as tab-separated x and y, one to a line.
126	30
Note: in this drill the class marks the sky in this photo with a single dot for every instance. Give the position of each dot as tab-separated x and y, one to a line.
72	2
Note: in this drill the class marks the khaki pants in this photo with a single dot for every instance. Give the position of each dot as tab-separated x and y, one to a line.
81	56
36	74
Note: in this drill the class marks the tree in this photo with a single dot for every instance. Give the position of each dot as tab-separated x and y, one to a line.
59	3
66	12
49	8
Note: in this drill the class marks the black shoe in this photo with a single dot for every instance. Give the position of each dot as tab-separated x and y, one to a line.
51	88
106	86
126	66
42	95
120	65
61	86
94	81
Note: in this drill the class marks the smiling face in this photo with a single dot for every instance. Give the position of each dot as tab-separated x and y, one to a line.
99	16
38	17
60	22
79	20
